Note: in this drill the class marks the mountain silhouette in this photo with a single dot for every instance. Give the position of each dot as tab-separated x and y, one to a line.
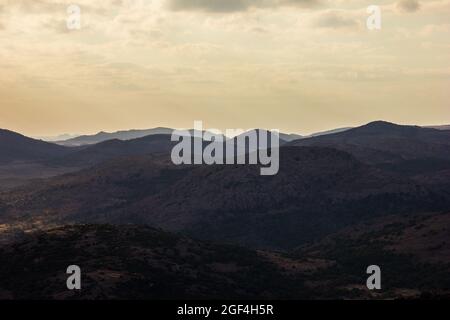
119	135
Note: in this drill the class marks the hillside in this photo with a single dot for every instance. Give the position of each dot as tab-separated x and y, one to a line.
411	250
130	262
136	262
15	147
111	149
316	192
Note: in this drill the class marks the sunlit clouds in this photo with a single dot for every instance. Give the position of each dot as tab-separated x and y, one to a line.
296	65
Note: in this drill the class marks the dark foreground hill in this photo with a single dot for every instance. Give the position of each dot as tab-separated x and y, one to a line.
412	252
136	262
130	262
316	192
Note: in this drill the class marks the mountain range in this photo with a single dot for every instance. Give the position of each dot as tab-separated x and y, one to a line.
340	201
119	135
79	140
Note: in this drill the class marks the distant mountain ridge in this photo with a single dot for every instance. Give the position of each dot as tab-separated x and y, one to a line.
332	131
443	127
376	142
79	140
60	137
120	135
135	134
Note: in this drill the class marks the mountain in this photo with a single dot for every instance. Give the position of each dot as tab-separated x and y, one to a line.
119	135
64	136
77	140
89	155
377	194
250	142
93	154
384	142
316	192
16	147
134	134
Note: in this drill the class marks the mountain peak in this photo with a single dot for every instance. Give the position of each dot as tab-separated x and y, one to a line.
385	127
382	124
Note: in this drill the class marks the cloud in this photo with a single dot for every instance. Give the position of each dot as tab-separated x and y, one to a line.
408	5
35	6
56	25
57	6
336	20
212	5
228	6
259	30
432	29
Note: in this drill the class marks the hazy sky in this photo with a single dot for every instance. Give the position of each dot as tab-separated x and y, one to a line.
295	65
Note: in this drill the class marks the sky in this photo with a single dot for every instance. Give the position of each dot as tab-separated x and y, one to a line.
295	65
